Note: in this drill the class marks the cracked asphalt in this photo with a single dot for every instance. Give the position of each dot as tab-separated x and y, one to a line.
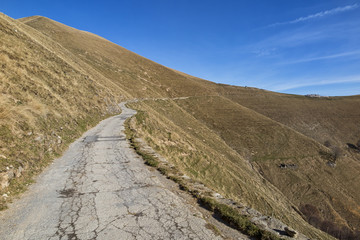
101	189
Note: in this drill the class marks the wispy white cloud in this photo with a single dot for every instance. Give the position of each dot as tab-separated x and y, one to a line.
319	14
326	57
316	82
263	52
296	38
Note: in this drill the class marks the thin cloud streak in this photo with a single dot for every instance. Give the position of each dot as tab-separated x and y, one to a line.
319	14
316	82
333	56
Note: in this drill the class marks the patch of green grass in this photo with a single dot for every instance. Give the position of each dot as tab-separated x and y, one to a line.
6	134
235	219
150	160
213	229
3	205
162	170
140	116
130	135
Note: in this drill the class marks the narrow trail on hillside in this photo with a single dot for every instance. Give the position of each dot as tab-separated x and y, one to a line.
101	189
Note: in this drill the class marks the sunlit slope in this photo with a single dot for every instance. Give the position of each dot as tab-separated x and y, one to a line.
48	98
137	75
266	144
334	119
194	147
248	132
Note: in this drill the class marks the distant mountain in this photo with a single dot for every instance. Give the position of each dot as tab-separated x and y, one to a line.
287	156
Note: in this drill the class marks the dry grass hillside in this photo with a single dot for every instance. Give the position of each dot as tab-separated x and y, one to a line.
334	119
137	75
201	153
296	164
56	81
47	101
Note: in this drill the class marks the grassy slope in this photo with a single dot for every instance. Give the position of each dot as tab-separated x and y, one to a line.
267	144
47	99
334	118
202	154
137	75
143	78
117	72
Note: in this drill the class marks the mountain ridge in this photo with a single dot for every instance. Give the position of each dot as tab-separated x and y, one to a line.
257	119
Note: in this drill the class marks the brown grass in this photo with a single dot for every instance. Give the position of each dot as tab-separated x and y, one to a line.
227	213
200	153
262	144
40	101
59	81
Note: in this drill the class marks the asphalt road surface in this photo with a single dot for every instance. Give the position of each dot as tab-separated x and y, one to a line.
100	189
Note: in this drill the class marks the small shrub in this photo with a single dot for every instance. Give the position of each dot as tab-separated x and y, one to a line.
352	146
149	160
169	136
326	155
327	143
162	170
337	152
174	178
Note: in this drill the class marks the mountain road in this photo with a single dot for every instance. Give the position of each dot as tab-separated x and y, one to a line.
101	189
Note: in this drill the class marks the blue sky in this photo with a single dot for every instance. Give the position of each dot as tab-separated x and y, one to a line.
287	46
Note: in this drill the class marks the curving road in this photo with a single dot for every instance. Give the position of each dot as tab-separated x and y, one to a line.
100	189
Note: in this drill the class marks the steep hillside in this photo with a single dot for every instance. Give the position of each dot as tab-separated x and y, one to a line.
47	101
137	75
261	148
333	119
294	163
202	154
